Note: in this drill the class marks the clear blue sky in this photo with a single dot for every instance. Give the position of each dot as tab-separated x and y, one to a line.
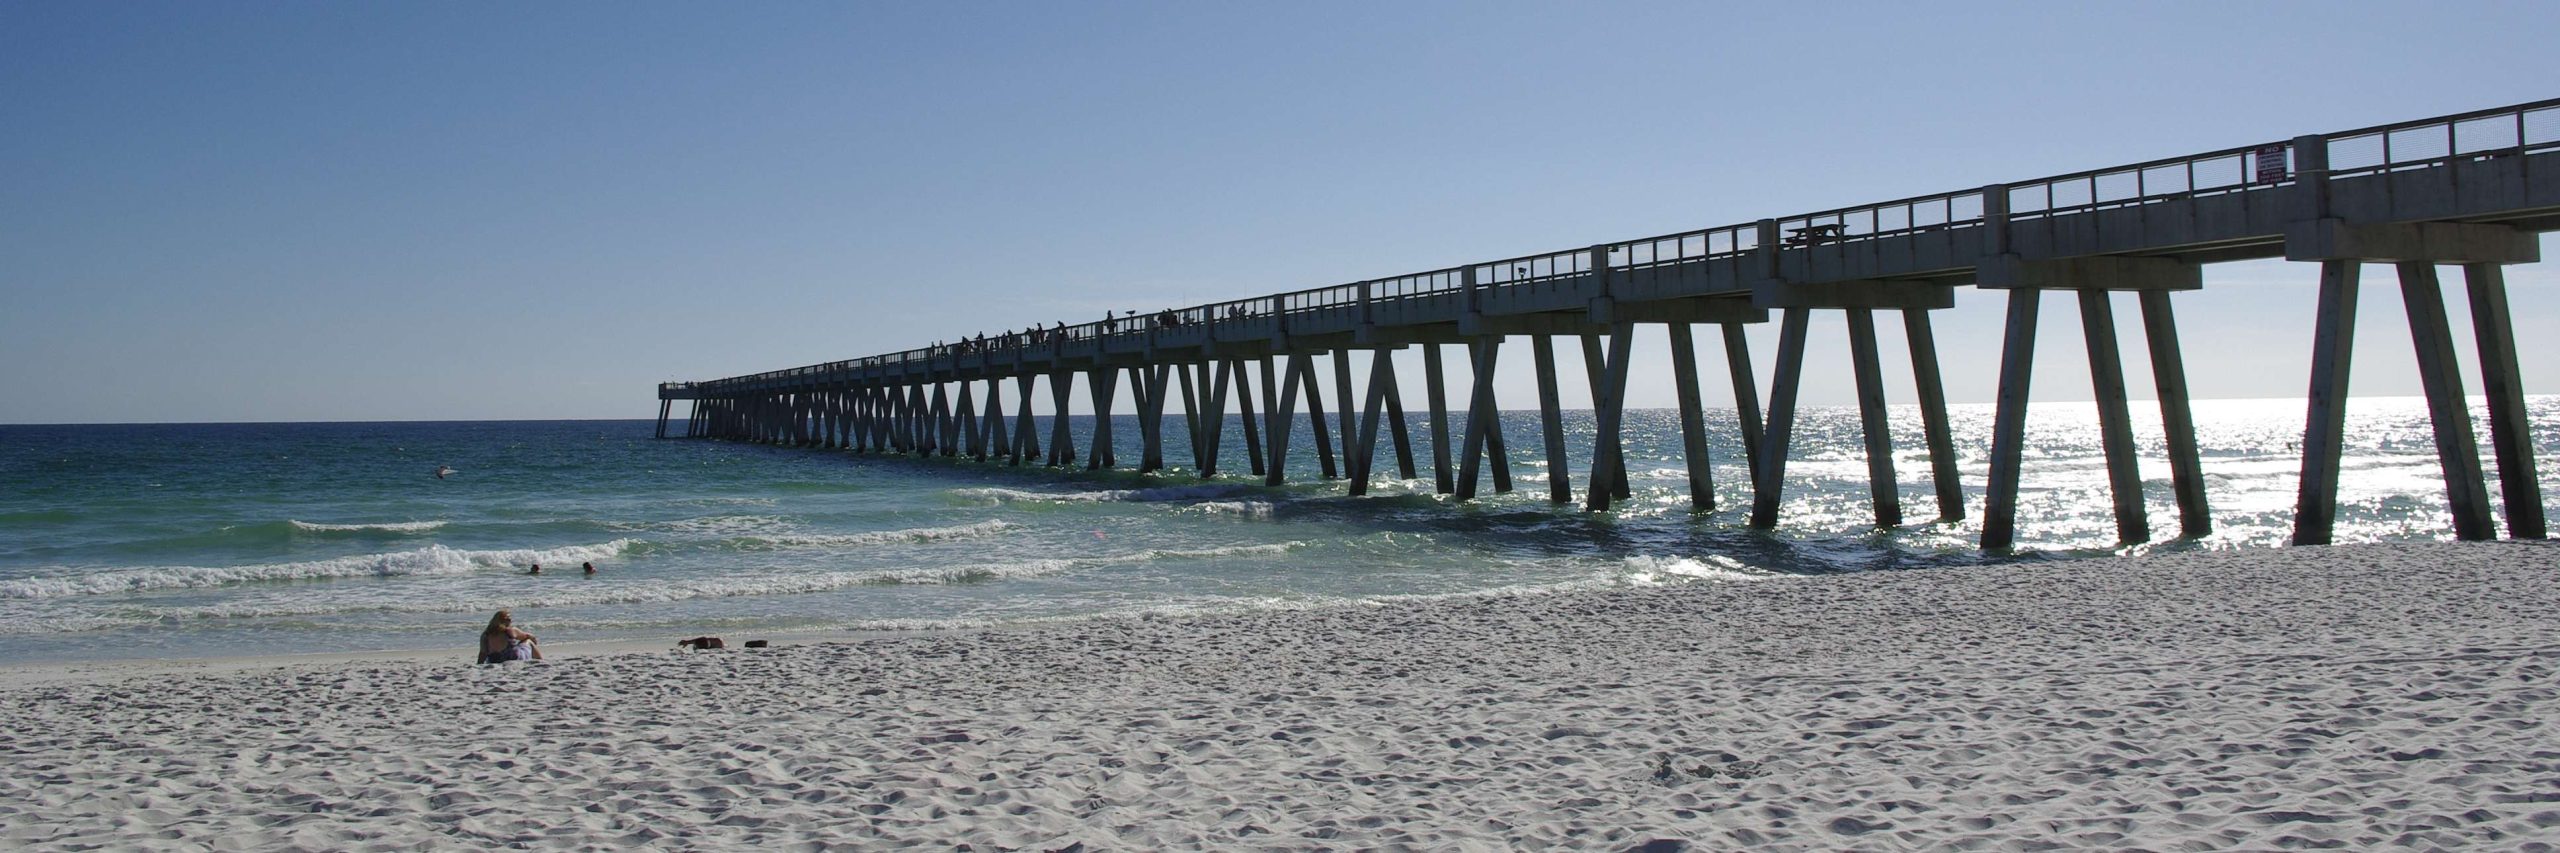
356	211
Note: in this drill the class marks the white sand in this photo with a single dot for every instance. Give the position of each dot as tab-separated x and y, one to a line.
2358	697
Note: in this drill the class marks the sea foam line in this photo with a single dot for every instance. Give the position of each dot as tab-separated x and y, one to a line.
385	527
686	589
876	537
429	561
1161	493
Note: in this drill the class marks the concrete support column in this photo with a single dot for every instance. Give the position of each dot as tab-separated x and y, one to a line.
1365	452
839	418
2115	421
1346	416
1279	401
2009	421
1608	455
963	420
1768	480
1190	412
1480	405
1026	432
1099	386
1746	393
1213	417
1693	419
1062	443
1542	349
2315	511
1245	419
2465	492
1934	430
993	438
822	421
1305	366
948	417
1883	490
2177	420
1495	451
1595	366
2510	433
1154	386
1435	384
1396	427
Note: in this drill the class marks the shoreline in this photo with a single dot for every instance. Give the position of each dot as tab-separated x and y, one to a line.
2352	695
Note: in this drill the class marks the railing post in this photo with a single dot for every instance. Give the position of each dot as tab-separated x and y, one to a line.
1767	250
2311	174
1995	220
1603	306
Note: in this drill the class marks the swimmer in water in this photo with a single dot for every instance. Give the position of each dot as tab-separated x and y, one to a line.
442	470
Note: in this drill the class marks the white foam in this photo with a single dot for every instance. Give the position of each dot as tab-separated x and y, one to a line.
1267	550
1240	509
657	591
1161	493
385	527
429	561
714	525
1650	570
877	537
651	592
24	619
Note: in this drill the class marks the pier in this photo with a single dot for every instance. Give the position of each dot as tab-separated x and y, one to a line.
2470	191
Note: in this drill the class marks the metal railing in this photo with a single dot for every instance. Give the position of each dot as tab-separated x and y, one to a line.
2427	143
2424	143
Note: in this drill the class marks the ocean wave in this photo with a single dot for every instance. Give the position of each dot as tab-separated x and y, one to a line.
1258	510
766	542
717	525
659	591
34	621
1160	493
39	516
1273	549
378	527
1649	570
649	592
429	561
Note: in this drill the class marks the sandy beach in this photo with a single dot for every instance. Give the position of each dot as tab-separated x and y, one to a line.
2357	696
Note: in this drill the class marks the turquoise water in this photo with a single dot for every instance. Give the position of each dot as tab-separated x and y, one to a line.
250	539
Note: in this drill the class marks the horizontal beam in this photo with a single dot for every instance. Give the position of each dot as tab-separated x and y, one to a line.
2429	242
1861	293
2101	272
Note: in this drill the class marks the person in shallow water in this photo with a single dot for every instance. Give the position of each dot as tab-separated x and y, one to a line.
590	569
502	641
537	569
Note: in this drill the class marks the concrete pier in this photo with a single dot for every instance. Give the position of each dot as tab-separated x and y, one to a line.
2471	191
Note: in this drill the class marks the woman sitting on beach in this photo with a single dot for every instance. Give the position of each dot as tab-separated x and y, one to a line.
503	641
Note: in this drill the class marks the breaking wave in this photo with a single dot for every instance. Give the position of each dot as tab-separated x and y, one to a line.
429	561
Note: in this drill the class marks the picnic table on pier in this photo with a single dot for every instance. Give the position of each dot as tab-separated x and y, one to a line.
1812	234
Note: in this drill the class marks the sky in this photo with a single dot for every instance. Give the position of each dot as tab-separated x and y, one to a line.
410	211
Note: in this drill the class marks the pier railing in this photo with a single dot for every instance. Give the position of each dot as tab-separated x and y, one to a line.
2419	144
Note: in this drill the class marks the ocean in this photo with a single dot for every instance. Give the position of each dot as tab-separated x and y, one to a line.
216	540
